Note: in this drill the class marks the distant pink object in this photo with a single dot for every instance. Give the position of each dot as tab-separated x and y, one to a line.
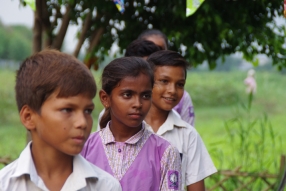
250	82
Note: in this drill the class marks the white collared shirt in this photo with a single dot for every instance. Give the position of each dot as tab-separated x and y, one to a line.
22	175
196	161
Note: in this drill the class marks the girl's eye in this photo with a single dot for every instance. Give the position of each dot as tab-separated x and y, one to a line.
147	96
126	95
88	111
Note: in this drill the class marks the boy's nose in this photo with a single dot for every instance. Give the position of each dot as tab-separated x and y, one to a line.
172	89
80	121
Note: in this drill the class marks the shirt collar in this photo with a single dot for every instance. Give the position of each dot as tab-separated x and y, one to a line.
25	164
173	121
109	138
81	170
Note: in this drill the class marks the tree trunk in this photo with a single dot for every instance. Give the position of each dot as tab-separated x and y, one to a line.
37	29
95	39
59	39
85	27
47	26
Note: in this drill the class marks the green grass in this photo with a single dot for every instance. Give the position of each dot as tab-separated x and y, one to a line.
210	120
216	97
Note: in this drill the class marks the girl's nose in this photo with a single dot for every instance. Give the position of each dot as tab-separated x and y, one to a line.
138	102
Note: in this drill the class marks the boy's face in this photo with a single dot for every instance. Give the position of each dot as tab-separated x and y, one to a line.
130	101
64	124
168	87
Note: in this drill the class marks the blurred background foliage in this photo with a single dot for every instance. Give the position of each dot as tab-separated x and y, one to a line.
217	29
15	42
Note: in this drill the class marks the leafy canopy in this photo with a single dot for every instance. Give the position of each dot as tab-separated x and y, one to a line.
216	29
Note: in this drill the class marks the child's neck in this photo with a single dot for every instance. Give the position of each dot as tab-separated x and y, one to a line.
122	134
53	167
155	118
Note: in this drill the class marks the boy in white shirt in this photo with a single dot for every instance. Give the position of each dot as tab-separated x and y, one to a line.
170	76
54	93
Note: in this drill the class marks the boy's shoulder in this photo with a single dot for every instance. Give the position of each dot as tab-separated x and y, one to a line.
105	181
7	172
156	139
13	176
17	170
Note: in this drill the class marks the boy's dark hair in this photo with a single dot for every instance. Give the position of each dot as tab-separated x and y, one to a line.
116	71
141	48
167	58
153	32
48	71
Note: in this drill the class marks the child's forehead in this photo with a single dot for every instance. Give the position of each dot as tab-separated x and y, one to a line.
170	71
139	77
58	93
168	68
157	39
131	80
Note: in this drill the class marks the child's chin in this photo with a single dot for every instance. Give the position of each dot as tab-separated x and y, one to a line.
74	152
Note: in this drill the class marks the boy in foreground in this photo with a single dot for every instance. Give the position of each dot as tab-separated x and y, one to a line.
54	93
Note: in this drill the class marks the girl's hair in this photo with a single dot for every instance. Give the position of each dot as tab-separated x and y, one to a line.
153	32
116	71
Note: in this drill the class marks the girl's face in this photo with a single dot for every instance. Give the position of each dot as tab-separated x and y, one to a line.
130	101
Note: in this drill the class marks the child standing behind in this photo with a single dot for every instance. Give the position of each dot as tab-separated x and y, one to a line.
170	76
124	147
54	93
185	106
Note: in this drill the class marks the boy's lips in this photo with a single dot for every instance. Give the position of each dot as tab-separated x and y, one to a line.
169	99
78	139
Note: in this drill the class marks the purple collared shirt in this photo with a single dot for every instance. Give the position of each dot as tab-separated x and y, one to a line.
142	163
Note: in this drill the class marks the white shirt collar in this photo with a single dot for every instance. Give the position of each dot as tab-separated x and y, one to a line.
81	171
173	120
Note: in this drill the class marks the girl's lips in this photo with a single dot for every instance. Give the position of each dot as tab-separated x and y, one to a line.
135	115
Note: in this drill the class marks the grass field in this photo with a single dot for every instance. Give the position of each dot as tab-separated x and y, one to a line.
251	139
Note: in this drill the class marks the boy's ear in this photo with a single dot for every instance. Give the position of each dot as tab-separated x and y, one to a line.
104	98
27	116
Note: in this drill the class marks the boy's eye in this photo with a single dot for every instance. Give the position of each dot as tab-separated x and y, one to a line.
88	111
181	85
66	110
162	81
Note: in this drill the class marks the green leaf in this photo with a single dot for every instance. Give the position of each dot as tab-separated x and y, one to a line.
31	3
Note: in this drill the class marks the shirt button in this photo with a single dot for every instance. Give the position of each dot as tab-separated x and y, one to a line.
119	150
